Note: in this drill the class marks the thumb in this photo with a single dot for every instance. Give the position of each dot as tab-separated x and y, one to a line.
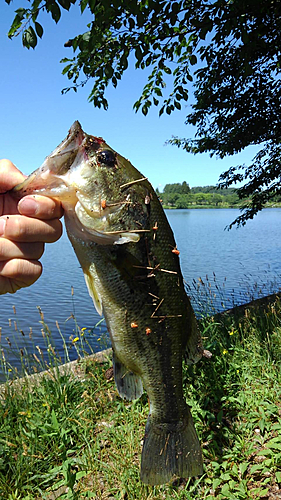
10	176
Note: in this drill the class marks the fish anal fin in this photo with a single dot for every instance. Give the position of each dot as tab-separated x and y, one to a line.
129	385
90	282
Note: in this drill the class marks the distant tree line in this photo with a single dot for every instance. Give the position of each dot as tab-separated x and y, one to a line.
180	195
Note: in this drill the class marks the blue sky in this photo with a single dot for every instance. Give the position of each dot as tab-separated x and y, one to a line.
35	116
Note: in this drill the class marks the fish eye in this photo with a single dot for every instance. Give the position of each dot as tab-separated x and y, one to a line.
106	157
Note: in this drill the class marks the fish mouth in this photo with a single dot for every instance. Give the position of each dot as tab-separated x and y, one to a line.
69	146
51	179
55	177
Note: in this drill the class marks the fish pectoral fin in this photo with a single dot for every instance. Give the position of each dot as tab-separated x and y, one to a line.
93	292
129	385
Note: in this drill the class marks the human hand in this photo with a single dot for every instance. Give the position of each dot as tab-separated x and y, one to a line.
25	226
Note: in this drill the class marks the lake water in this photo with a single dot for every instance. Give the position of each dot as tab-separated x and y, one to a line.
220	268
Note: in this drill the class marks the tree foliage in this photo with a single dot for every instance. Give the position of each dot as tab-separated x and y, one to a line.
176	196
177	188
229	49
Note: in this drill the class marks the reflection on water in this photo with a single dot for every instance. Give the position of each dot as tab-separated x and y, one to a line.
220	268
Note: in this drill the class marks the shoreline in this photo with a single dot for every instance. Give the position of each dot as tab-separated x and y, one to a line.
77	368
212	207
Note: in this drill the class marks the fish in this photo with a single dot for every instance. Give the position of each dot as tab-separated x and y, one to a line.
128	254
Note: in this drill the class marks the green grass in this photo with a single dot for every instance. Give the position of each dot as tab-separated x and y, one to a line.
72	437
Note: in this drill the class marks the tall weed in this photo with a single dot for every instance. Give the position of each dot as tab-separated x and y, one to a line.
71	437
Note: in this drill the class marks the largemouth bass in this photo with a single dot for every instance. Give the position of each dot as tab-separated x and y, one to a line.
130	261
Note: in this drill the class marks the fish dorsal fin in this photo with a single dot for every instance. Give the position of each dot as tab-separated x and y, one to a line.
90	282
129	385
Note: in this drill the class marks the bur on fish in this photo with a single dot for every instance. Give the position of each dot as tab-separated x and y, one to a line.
126	249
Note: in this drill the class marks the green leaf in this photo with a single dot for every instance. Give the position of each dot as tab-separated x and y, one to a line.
66	69
138	54
226	477
158	91
265	452
17	22
131	23
75	42
144	109
245	36
34	15
274	446
263	493
108	71
124	62
55	11
80	474
255	468
39	29
216	482
83	5
20	13
86	36
54	420
225	490
92	5
243	467
65	4
261	424
193	59
30	37
235	469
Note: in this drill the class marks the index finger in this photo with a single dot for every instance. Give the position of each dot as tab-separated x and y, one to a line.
40	207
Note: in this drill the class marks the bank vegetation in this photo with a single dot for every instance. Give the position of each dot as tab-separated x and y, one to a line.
180	195
70	436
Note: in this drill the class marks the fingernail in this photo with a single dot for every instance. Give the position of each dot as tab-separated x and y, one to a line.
28	206
2	226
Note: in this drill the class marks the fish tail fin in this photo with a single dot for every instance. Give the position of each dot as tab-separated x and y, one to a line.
170	450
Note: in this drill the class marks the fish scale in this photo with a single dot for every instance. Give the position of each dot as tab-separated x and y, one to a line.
130	261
